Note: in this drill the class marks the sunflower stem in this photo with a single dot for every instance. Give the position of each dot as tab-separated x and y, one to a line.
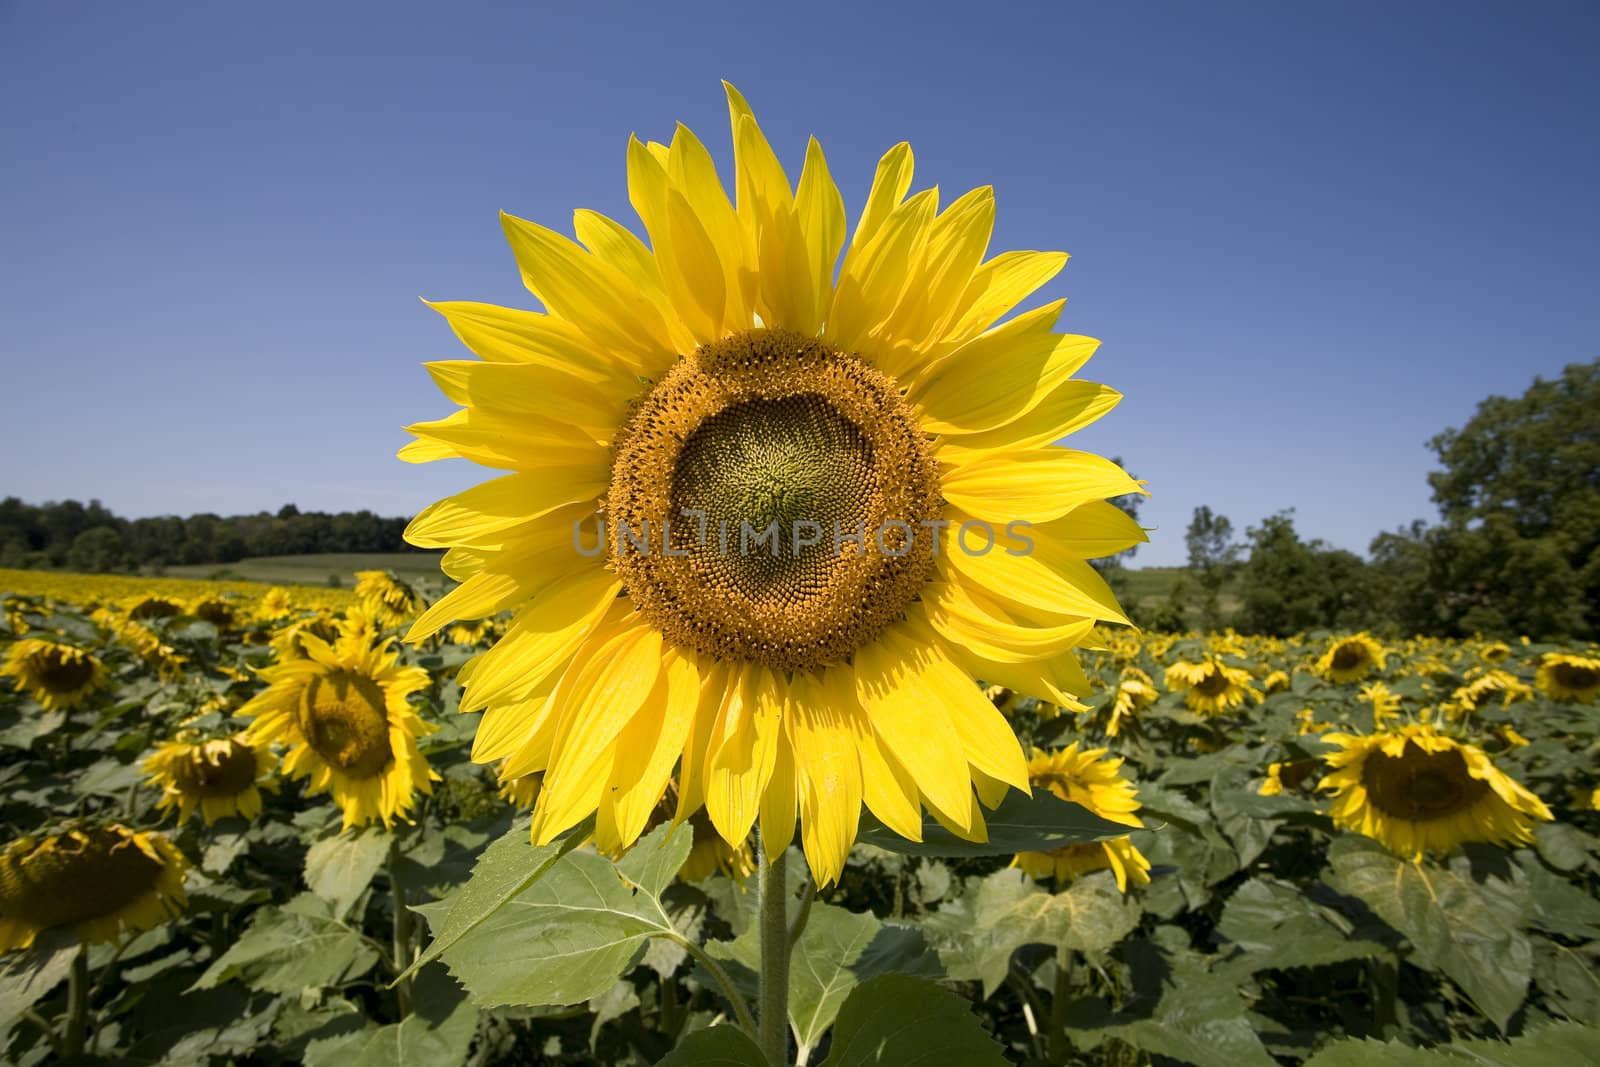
774	1001
402	933
77	1004
1060	1047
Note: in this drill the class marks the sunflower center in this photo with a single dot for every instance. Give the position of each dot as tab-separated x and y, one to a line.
1418	785
342	718
772	501
1348	657
219	769
1214	684
1574	677
74	878
65	672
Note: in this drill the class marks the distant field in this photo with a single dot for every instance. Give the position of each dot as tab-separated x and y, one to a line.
1147	587
315	569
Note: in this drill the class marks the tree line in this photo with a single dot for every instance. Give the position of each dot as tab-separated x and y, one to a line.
1515	552
90	538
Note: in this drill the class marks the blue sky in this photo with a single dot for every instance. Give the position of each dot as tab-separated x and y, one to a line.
1309	235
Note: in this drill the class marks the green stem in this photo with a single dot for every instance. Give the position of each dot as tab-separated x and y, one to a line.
402	935
741	1010
1384	975
774	929
77	1004
1060	1047
44	1025
1032	1010
798	927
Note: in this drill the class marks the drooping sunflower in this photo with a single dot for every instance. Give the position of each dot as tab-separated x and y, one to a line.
220	777
1564	676
1135	690
1090	779
1497	652
1416	790
98	879
1485	687
710	854
154	606
794	584
1275	682
288	641
58	675
1210	686
470	633
1286	776
521	791
345	712
1350	659
387	599
219	611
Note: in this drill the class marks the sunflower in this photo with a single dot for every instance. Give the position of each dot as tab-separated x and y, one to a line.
1286	777
387	599
1564	676
1350	659
1485	687
288	642
470	633
218	777
98	879
58	675
766	524
1210	687
1089	779
1135	690
1416	790
1385	702
216	610
154	607
521	791
710	854
275	603
1495	653
1276	682
345	712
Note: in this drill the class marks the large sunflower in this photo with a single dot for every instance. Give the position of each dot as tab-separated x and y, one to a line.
58	675
95	878
1416	790
345	712
1564	676
219	777
799	477
1089	779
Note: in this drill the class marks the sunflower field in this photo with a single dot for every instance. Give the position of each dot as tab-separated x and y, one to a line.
243	825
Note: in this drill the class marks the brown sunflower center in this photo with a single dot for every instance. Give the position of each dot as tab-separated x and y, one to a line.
74	877
1572	676
65	671
342	718
1214	683
1349	657
219	769
155	608
772	501
1419	785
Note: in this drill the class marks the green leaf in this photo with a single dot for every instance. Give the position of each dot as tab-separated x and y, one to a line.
25	977
720	1046
339	869
567	937
438	1034
508	867
977	934
291	948
1369	1052
1020	824
1571	1043
837	950
1274	925
1466	927
894	1020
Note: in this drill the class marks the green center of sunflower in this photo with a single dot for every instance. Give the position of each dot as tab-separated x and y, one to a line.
74	877
65	670
1419	785
768	502
343	718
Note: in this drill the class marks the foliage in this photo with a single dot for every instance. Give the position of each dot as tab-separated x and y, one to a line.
1212	554
1265	936
1288	585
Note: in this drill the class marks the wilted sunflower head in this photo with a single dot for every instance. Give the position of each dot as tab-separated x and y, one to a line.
710	854
769	514
1416	790
1210	686
1090	779
287	642
388	600
1497	652
346	714
1350	659
58	675
217	610
1275	682
1487	686
96	878
147	608
1564	676
218	777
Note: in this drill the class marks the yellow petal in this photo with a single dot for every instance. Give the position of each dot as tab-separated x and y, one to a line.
1000	285
889	185
715	678
741	749
1000	376
826	738
531	390
874	276
820	211
1068	408
651	743
511	335
488	514
779	801
1034	486
956	242
1098	528
550	628
511	442
1047	578
961	620
692	173
887	788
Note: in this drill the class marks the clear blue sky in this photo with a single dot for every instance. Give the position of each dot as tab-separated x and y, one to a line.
1310	235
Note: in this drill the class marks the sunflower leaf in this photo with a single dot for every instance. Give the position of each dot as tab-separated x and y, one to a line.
339	868
508	867
1020	824
895	1020
721	1046
567	936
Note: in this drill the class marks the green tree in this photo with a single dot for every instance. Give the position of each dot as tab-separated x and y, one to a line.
96	551
1212	556
1289	585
